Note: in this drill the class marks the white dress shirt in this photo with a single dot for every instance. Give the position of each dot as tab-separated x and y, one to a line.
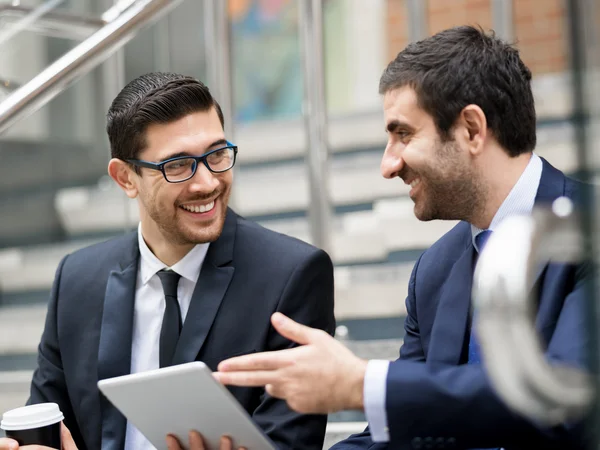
520	200
148	314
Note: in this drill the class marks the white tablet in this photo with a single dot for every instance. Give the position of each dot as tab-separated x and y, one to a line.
177	399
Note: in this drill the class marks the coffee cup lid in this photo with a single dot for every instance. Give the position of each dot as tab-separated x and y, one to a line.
32	416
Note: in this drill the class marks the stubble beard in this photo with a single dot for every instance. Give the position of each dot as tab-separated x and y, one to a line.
180	234
451	190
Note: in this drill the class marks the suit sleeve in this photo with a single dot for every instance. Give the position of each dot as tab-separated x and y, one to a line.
458	406
48	383
308	299
411	350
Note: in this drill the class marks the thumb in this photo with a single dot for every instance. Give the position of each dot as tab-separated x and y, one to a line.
67	440
300	334
8	444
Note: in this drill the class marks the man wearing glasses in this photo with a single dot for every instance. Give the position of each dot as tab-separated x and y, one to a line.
194	282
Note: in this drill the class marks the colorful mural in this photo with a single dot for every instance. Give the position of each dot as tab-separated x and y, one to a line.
266	64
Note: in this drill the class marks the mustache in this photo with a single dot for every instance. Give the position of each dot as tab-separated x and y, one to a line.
200	197
407	173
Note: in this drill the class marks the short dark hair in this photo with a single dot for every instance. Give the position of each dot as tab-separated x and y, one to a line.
464	65
153	98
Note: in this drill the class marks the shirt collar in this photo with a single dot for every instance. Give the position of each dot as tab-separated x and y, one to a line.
520	199
188	267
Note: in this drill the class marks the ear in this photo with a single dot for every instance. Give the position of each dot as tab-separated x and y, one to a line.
473	128
124	176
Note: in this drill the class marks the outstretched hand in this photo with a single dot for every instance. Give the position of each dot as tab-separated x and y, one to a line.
318	377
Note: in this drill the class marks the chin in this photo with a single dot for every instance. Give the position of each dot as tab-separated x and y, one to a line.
423	214
202	235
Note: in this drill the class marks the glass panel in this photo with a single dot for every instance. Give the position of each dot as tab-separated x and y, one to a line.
269	86
355	54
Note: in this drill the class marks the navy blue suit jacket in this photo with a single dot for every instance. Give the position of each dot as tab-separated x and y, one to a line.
434	399
249	273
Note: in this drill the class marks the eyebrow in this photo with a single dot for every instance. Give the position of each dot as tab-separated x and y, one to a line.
220	142
396	125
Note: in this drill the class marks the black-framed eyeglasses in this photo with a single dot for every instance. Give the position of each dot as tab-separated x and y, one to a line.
182	168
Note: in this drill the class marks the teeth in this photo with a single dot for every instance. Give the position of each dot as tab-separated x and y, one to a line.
200	208
414	182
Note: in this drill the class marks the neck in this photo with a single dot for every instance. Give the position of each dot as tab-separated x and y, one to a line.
501	173
164	249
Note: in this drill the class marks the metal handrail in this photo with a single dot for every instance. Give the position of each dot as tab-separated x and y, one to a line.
80	60
54	23
315	119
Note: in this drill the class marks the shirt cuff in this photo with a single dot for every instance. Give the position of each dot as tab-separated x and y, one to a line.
374	392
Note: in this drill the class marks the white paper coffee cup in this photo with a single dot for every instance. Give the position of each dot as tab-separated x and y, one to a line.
34	424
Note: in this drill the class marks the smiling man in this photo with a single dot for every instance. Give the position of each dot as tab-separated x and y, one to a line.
195	281
461	124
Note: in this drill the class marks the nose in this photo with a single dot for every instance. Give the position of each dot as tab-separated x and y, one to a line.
392	161
203	180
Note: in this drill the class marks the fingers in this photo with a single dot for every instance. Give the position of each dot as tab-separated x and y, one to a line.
248	379
196	441
8	444
30	447
275	391
173	443
259	361
301	334
225	443
67	440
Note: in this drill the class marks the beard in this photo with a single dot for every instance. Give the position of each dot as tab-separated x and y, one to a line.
177	229
449	189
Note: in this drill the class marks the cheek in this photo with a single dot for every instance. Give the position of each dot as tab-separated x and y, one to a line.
416	153
162	194
226	179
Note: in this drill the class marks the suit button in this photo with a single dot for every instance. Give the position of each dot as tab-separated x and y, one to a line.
451	443
417	443
440	443
428	441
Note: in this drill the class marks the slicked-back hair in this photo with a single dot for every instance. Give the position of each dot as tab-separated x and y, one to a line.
153	98
462	66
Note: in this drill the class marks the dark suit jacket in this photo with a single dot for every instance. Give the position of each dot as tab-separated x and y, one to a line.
434	399
248	274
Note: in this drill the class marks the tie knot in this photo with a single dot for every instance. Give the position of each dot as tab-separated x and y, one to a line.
481	239
169	280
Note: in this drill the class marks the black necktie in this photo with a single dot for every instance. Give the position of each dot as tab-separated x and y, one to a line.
171	324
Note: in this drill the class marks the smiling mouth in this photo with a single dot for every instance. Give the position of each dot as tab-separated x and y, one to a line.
413	183
199	208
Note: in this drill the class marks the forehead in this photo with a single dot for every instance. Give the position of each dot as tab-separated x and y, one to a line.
192	134
402	105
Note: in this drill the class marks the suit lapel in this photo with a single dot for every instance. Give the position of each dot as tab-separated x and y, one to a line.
214	279
114	352
552	185
450	324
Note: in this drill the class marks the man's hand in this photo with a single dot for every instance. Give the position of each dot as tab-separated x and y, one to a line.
197	443
65	434
319	377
